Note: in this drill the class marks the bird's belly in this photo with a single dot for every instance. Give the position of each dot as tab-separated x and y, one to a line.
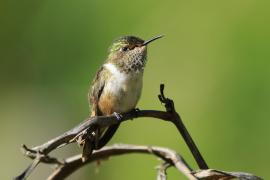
122	95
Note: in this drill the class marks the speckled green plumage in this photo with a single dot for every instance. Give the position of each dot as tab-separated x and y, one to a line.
124	40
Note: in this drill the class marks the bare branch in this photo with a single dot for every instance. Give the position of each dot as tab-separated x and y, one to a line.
162	174
169	156
28	170
211	174
176	119
92	123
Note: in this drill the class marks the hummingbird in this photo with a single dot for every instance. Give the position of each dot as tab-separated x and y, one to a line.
117	86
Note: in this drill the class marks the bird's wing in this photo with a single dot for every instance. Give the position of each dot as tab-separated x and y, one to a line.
96	90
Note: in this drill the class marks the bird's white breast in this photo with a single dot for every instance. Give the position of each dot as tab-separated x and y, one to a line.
126	87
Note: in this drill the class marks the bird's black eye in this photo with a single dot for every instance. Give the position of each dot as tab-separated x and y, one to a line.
124	48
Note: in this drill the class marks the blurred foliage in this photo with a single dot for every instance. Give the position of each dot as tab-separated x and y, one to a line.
214	61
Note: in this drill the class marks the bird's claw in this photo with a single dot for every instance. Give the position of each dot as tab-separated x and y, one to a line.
118	116
135	111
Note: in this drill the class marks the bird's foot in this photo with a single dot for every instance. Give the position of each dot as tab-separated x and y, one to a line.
118	116
136	111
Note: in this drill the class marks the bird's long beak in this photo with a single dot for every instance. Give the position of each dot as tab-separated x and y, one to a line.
152	39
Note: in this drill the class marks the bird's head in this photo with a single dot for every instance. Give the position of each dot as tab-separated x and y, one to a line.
129	53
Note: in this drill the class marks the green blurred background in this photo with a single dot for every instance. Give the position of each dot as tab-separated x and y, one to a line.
214	61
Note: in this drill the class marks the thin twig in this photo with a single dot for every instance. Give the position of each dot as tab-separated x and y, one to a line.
97	121
213	174
169	156
28	170
162	174
176	119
